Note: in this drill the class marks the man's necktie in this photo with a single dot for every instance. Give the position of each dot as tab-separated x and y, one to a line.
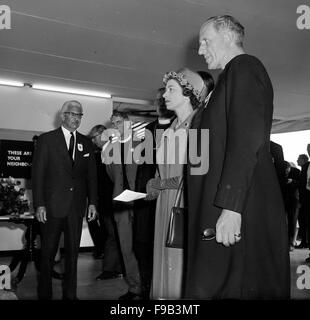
308	178
123	156
71	146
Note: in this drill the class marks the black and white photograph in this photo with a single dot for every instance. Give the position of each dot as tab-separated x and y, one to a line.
154	154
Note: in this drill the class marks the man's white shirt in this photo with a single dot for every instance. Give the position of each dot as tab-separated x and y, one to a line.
67	135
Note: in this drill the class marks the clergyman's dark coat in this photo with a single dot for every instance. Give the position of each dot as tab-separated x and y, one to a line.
242	178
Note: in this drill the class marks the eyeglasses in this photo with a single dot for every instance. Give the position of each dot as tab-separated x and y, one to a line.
74	115
208	234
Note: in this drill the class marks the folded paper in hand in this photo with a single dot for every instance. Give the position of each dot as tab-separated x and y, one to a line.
129	195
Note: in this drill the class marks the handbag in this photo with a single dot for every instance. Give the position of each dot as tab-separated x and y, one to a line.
175	233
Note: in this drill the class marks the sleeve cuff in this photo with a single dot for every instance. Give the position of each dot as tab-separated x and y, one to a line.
231	198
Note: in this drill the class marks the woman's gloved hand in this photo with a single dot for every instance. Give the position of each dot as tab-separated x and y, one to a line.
155	185
152	193
162	184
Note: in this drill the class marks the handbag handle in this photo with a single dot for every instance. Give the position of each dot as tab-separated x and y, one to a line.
179	193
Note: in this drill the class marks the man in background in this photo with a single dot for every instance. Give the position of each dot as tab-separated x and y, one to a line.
304	199
302	233
122	172
105	234
144	211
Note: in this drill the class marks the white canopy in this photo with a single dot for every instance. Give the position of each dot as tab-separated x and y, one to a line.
125	46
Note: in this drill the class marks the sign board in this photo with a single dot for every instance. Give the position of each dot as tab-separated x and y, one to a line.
16	158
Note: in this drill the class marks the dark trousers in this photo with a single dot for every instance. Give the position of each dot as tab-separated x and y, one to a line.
71	226
123	220
112	260
98	234
302	221
290	209
306	211
144	254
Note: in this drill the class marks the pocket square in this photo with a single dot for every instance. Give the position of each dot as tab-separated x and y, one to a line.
86	155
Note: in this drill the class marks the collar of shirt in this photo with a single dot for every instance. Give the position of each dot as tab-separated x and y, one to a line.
67	135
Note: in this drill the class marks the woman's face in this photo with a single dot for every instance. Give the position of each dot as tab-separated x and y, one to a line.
173	95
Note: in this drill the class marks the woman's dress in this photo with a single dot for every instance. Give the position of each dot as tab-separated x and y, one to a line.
168	262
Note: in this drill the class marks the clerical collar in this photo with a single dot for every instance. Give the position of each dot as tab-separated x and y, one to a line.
164	121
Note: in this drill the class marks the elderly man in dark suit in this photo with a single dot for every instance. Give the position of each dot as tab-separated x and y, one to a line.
64	177
238	199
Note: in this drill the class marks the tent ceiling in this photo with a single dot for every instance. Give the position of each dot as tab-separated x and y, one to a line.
125	46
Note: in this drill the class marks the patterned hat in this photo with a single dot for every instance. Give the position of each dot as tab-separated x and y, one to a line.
190	80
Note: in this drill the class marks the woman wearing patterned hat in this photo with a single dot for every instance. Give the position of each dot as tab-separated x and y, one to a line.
185	90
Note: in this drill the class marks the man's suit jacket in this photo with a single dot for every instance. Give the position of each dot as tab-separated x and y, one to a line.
146	171
276	152
57	184
115	172
144	211
105	187
304	194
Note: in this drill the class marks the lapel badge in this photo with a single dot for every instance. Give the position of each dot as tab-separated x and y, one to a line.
80	147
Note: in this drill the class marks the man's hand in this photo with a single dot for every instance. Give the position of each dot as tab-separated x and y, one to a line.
92	213
41	214
228	228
